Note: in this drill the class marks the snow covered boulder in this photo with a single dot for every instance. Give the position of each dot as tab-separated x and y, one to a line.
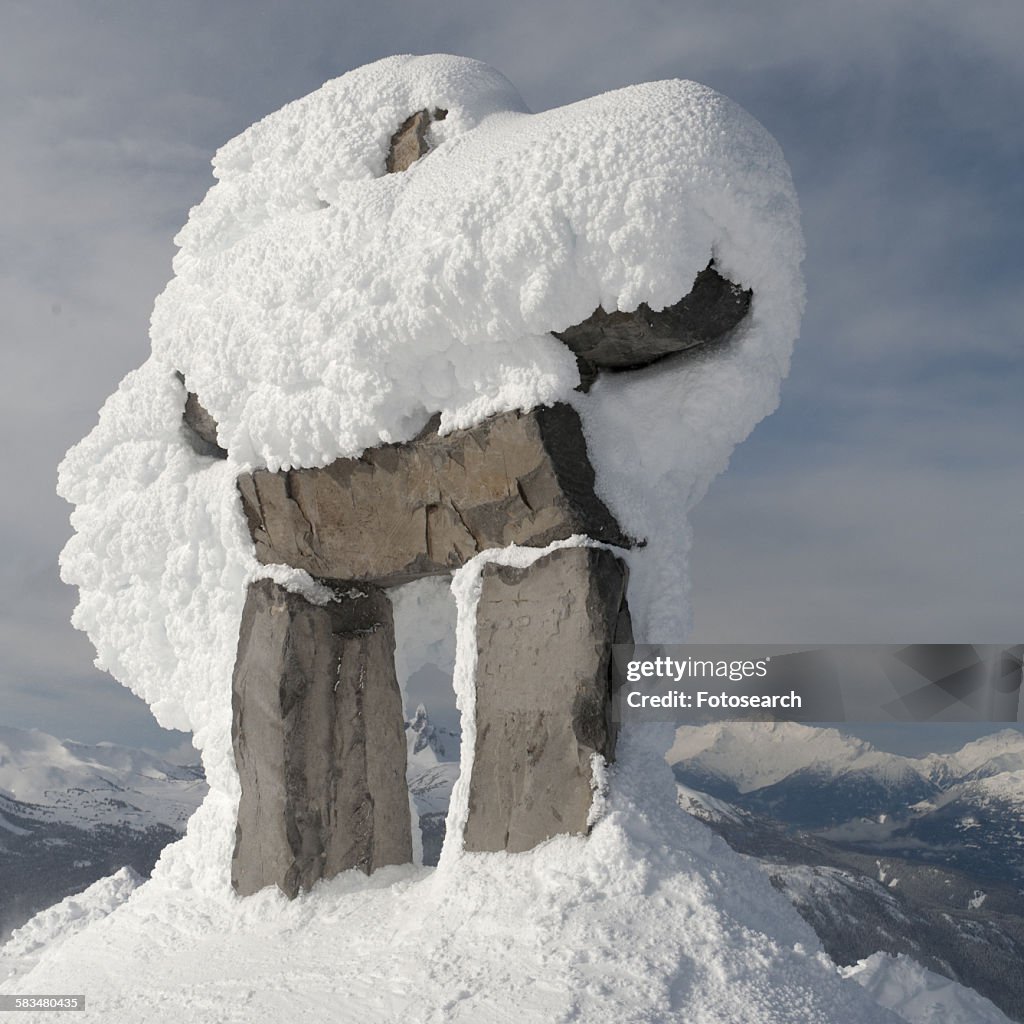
392	348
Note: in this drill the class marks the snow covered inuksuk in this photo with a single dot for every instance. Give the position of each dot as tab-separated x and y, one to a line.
437	381
318	711
417	332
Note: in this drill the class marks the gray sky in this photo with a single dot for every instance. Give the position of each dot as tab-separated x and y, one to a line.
883	502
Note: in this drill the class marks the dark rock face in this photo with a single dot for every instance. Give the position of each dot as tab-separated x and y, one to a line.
409	143
403	511
627	341
199	426
318	739
543	694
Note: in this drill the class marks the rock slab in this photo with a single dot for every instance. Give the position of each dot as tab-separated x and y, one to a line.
628	341
425	507
543	695
319	740
409	142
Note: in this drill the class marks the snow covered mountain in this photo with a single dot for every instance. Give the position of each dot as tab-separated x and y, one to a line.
870	864
748	757
968	804
432	768
71	814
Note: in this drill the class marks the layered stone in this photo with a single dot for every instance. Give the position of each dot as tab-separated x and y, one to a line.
318	739
425	507
543	694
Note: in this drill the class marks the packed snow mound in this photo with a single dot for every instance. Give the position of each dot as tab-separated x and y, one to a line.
321	307
650	919
55	925
919	995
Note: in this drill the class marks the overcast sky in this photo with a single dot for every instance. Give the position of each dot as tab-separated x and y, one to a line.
883	502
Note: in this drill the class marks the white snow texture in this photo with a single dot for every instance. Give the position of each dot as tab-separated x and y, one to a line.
319	307
919	995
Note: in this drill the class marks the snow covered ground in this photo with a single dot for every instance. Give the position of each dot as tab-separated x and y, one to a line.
649	919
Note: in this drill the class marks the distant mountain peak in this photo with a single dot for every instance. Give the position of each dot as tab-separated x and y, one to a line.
423	737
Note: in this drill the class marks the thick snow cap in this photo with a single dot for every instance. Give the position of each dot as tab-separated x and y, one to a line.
320	306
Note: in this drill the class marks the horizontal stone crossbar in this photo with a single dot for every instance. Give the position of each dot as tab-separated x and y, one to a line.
425	507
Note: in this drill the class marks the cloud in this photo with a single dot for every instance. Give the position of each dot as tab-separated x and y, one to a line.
879	498
852	547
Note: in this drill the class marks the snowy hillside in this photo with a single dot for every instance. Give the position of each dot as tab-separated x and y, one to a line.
752	756
71	814
969	804
921	996
92	785
841	829
651	918
773	759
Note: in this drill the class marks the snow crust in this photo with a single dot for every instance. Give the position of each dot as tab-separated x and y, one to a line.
919	995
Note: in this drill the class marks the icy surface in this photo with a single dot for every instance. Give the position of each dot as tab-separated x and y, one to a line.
919	995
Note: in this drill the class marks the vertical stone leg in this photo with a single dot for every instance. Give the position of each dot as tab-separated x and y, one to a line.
319	741
543	694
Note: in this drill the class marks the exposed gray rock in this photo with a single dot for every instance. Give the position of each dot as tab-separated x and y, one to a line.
627	341
409	143
199	426
543	694
319	740
425	507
